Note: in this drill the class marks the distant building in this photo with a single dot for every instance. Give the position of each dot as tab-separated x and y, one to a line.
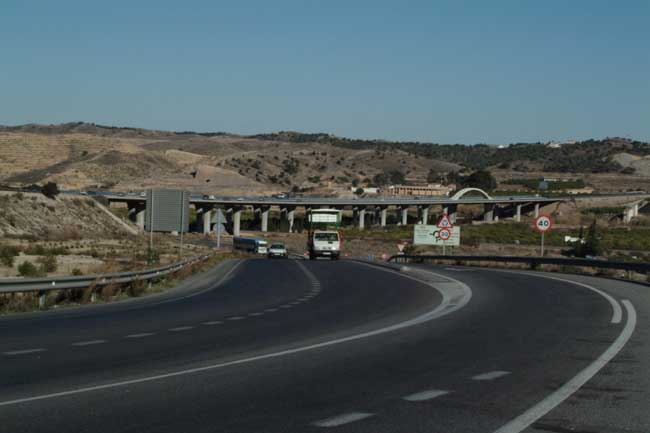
366	190
430	190
586	190
558	144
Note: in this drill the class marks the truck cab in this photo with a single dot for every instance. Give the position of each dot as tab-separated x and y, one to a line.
324	238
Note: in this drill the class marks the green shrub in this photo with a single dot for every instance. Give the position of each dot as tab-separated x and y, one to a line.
48	263
7	254
153	257
28	269
50	190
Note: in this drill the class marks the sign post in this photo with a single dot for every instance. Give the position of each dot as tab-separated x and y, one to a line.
218	227
445	226
543	223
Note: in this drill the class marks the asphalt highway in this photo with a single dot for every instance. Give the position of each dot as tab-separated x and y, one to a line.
306	346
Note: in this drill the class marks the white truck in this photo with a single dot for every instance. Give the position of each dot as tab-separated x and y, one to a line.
323	238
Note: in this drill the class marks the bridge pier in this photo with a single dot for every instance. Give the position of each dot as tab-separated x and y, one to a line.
488	214
290	211
206	219
423	212
362	218
518	213
405	215
451	210
383	215
236	221
265	218
136	213
139	218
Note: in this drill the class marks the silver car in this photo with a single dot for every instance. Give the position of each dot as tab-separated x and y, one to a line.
277	250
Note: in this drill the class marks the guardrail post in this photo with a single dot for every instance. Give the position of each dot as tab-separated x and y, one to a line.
42	294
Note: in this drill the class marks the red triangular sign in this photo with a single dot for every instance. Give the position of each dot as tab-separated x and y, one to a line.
445	222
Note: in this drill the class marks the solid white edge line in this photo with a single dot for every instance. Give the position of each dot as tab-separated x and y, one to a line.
342	419
524	420
617	312
441	310
219	282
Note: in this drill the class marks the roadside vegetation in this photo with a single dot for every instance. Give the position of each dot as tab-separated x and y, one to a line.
618	238
23	302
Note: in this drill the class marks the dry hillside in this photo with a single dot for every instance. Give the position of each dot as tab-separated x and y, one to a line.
64	218
82	155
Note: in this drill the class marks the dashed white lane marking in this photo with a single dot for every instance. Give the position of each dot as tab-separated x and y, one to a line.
255	314
140	335
271	310
286	306
523	421
459	299
425	395
213	322
491	375
460	269
345	418
24	352
181	328
88	343
235	318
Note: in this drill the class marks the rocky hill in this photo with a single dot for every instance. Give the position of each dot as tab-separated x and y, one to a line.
84	155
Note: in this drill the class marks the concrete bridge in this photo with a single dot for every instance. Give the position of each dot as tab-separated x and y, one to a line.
494	208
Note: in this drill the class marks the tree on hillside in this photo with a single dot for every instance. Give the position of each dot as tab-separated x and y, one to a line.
50	190
388	177
482	179
592	246
434	177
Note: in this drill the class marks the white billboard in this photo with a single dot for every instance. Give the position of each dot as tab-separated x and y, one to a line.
430	235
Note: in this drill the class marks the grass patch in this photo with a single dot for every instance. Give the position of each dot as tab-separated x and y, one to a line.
625	238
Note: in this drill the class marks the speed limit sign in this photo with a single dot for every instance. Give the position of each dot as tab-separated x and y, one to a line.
543	223
444	234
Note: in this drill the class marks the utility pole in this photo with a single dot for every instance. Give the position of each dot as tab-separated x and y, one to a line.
180	249
218	227
151	228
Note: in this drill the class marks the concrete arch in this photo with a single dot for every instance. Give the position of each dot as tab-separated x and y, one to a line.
464	191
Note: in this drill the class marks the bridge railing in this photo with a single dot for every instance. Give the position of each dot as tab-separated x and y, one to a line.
532	262
43	285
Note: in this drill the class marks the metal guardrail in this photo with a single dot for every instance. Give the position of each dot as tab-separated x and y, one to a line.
533	262
43	285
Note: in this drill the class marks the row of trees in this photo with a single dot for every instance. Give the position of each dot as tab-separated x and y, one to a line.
584	156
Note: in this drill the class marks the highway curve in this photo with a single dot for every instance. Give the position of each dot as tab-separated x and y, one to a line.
301	346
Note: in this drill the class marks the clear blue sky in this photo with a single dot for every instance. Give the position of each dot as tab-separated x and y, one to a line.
448	72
